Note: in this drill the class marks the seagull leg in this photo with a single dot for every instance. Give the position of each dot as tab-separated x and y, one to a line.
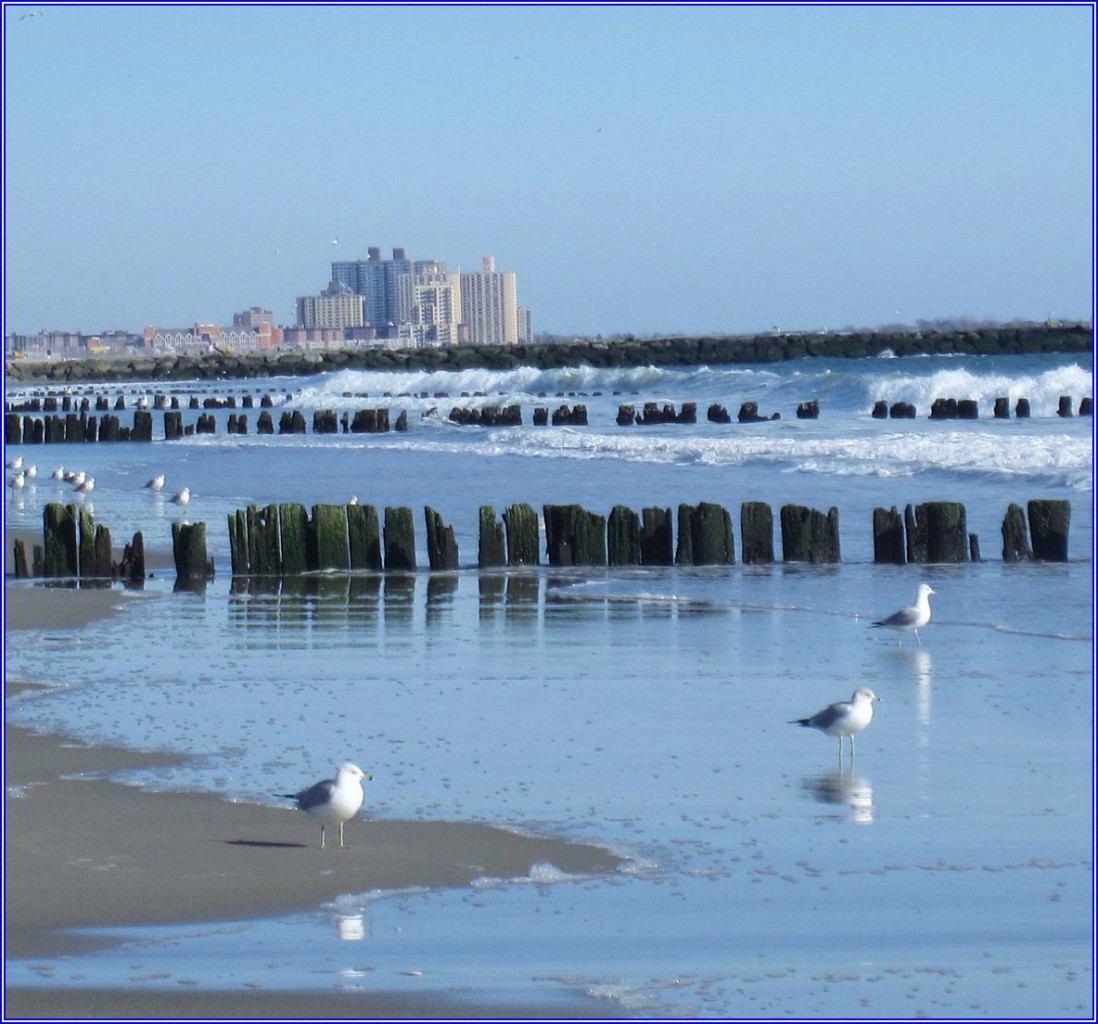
341	835
322	837
852	749
920	643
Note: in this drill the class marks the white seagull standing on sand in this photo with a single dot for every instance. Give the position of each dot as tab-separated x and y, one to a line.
333	800
181	497
156	483
59	473
30	472
15	464
88	484
844	718
913	618
18	482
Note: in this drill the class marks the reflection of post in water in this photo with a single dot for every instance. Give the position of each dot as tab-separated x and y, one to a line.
844	789
352	927
523	596
491	586
400	593
440	592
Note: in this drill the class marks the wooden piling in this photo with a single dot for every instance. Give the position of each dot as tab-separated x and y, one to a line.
142	429
623	537
656	537
442	549
60	550
888	537
132	566
809	535
1021	408
86	542
364	537
936	532
705	535
1048	529
20	560
294	534
1064	408
1002	408
189	552
238	543
263	537
328	530
491	547
756	533
1015	538
265	424
173	426
13	429
574	536
400	539
522	534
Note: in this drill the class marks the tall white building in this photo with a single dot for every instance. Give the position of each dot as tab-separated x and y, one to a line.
336	306
489	305
430	307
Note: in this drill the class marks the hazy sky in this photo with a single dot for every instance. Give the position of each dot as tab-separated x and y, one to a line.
641	169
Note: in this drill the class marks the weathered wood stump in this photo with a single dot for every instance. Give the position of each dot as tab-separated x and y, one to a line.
936	532
888	537
809	410
442	549
264	536
400	539
189	552
265	423
60	549
293	524
626	415
173	426
491	548
132	566
1021	408
757	533
717	413
574	536
13	429
1048	529
1002	409
522	534
325	422
329	547
880	409
809	535
364	537
623	536
1064	408
1085	406
705	535
142	429
656	537
19	556
1015	537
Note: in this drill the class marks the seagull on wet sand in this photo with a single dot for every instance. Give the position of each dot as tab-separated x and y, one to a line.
333	800
181	497
15	464
844	718
913	618
156	483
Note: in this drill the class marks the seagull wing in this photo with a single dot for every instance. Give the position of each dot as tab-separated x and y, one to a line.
315	796
904	617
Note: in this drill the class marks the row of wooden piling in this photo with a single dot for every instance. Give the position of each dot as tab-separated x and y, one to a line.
286	540
969	409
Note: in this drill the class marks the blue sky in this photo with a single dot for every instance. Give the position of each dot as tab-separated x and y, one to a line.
642	169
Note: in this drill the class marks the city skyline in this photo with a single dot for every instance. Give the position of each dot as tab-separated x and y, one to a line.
643	170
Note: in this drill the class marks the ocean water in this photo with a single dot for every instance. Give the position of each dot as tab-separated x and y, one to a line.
948	873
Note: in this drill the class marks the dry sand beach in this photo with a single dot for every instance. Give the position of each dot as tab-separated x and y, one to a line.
83	852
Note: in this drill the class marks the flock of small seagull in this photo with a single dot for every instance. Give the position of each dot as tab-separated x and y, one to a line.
22	476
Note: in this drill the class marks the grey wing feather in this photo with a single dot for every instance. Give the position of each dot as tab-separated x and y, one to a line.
316	795
904	617
829	715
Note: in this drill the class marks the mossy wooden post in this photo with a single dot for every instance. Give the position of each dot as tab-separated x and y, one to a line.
189	551
132	566
888	537
22	572
142	425
574	536
757	533
656	541
1015	538
173	426
86	544
442	549
916	534
238	543
946	531
60	556
809	535
13	430
491	547
400	539
522	534
293	529
329	526
1048	529
264	558
623	536
705	535
364	537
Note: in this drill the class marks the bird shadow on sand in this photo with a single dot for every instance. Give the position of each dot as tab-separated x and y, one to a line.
265	844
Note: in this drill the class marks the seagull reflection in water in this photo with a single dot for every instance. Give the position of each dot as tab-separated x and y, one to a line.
844	789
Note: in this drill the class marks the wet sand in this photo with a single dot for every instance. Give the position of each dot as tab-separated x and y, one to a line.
85	852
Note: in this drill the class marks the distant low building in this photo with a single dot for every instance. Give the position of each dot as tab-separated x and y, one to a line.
336	307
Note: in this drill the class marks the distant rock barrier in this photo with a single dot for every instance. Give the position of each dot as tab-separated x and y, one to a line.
626	352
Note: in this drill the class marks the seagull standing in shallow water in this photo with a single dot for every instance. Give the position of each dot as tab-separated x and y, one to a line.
182	497
844	718
913	618
333	800
156	483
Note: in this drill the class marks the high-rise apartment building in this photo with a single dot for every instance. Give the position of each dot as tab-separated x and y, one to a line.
378	282
489	305
336	306
430	307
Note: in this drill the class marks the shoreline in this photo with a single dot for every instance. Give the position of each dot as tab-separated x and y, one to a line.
85	852
627	352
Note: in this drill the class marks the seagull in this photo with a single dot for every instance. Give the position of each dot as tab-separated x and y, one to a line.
18	482
156	483
31	472
913	618
87	484
844	718
181	497
16	464
76	478
333	800
59	473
